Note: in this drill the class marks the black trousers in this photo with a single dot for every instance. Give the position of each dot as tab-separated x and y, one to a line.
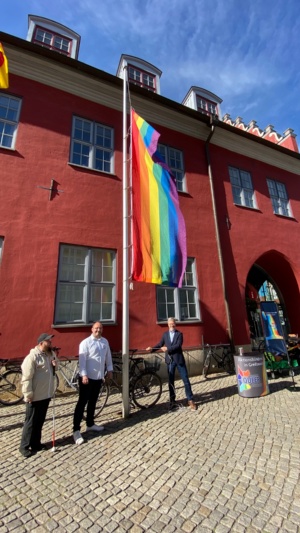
35	416
88	394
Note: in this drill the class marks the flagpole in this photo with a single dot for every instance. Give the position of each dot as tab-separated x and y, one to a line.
125	311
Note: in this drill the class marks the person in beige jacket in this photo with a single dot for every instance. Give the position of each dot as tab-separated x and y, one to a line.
38	386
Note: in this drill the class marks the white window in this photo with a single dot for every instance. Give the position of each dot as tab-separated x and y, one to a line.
242	189
182	303
206	106
279	198
174	159
141	78
92	145
53	41
9	120
86	285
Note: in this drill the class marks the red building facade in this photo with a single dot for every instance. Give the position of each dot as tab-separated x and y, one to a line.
61	249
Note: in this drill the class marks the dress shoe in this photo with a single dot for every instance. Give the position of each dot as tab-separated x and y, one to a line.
26	453
192	405
39	448
172	406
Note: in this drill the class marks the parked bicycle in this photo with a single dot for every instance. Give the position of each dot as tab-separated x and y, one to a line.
220	356
145	386
10	382
68	369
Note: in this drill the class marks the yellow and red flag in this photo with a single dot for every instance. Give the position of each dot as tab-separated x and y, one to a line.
3	69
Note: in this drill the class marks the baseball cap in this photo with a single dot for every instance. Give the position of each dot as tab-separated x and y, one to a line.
44	337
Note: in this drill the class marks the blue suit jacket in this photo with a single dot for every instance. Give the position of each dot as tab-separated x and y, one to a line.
174	348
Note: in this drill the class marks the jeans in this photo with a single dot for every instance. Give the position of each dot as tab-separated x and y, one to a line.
35	416
184	376
88	394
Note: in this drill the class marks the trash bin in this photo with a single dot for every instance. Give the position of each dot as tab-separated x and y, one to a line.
251	375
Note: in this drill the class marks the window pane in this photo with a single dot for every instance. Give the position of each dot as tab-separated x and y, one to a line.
279	198
103	160
9	117
101	303
102	266
73	264
43	36
242	189
82	130
103	137
70	303
248	196
92	145
166	303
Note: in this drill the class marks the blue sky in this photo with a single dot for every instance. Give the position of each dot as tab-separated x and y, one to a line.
245	51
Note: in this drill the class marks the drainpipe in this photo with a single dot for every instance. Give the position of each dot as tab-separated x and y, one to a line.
210	175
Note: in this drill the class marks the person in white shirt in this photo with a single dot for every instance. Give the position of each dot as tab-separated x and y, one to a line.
94	360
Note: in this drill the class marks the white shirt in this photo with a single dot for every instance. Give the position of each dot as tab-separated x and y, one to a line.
94	358
172	333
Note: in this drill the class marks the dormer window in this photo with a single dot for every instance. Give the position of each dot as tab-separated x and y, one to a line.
141	78
203	101
53	41
140	73
206	107
52	35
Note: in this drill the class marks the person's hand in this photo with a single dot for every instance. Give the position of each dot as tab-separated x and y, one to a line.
108	376
148	349
28	400
85	380
164	349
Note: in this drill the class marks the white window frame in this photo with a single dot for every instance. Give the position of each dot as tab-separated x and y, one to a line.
181	303
242	188
10	108
86	149
174	159
78	281
279	198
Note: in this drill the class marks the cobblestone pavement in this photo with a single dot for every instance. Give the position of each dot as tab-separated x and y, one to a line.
233	465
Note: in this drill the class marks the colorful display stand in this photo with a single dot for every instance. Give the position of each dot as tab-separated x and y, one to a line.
251	375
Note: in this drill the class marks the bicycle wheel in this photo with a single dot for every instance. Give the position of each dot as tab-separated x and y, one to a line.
11	387
228	364
206	364
102	399
146	390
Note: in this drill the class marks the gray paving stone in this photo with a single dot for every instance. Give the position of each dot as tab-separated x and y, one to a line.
159	471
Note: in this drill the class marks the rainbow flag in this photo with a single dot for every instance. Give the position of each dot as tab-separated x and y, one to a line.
3	69
158	228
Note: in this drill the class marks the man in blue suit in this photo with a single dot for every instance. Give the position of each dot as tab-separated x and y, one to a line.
171	344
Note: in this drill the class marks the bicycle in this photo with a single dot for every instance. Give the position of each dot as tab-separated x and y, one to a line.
223	360
145	386
10	382
71	381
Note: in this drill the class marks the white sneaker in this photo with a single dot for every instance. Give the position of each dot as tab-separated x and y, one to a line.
78	438
95	428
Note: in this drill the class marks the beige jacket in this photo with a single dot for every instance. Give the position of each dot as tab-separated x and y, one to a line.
37	375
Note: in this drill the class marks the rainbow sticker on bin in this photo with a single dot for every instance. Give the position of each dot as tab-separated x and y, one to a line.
252	379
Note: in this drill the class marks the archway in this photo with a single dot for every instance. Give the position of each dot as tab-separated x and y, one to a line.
272	278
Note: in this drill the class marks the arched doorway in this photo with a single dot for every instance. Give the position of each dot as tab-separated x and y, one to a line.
272	278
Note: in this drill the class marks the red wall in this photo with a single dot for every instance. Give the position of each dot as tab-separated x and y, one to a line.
88	212
257	236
